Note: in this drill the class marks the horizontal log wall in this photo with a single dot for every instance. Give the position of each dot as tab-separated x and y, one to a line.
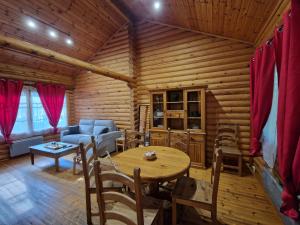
170	57
99	97
32	75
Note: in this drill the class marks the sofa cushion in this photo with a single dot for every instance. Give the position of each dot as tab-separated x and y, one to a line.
74	129
86	126
77	138
100	130
107	123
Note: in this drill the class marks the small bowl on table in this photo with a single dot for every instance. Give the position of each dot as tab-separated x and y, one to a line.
150	155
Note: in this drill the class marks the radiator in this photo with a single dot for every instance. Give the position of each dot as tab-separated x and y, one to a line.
21	147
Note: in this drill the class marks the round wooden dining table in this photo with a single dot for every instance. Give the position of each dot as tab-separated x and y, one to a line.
170	163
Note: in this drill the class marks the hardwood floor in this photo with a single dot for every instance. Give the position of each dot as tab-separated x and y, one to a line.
38	195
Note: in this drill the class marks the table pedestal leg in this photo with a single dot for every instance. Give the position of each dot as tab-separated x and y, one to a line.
56	165
32	158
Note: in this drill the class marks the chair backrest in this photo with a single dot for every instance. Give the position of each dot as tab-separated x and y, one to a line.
180	140
88	155
103	196
159	138
133	139
227	135
215	174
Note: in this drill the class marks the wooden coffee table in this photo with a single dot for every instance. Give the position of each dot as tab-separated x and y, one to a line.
52	153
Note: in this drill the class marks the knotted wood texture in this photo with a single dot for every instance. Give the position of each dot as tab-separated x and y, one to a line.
35	50
105	98
172	58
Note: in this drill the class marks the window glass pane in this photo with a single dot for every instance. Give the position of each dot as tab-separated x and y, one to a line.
21	124
39	118
63	121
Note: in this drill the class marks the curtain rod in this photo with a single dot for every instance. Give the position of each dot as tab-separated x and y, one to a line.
32	83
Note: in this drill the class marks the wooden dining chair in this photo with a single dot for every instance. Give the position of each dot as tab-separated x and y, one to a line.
131	209
159	138
199	193
227	140
88	154
133	139
180	140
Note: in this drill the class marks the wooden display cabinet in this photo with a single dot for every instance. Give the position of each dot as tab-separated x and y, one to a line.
179	110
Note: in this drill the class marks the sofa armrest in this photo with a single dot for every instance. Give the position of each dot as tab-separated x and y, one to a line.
110	135
64	133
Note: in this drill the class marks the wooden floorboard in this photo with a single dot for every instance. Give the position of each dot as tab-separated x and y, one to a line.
38	195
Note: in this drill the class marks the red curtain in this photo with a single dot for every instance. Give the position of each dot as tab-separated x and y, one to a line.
288	120
10	92
52	98
261	88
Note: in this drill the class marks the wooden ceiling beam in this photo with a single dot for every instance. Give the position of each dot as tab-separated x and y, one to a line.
35	50
123	9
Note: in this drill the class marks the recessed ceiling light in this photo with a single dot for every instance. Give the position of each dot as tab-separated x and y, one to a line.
52	34
69	41
156	5
30	23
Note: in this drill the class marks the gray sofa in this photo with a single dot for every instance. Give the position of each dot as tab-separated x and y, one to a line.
105	132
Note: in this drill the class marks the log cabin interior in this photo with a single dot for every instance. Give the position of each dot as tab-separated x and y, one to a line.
149	112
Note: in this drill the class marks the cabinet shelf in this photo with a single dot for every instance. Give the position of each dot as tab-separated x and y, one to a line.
180	102
180	109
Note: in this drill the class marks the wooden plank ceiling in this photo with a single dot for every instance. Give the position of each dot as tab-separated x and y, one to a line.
88	22
238	19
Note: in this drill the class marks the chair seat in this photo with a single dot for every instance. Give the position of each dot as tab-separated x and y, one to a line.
106	184
151	210
193	190
231	150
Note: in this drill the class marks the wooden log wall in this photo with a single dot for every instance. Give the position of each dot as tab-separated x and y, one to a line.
32	75
98	97
170	57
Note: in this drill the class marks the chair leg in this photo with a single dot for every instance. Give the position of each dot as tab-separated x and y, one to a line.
214	216
240	165
74	166
161	216
88	209
174	213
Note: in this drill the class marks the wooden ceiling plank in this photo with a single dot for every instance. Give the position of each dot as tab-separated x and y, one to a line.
267	30
123	10
35	50
204	33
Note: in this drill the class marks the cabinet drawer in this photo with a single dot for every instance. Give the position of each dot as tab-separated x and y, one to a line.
159	134
197	138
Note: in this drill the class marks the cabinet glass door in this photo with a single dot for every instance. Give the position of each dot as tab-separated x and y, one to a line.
158	110
194	109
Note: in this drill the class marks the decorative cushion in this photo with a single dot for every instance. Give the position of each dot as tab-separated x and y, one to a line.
73	129
100	130
107	123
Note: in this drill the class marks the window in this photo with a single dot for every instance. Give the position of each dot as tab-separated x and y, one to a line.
21	125
32	118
